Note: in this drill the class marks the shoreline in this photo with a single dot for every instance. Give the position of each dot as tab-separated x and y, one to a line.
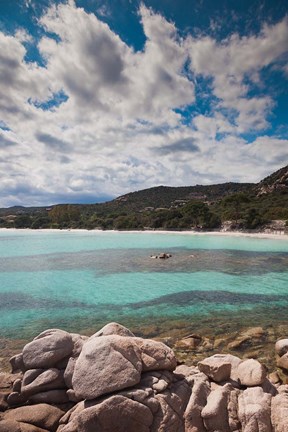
218	326
191	343
260	235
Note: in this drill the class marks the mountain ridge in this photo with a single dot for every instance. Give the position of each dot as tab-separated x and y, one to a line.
276	180
245	205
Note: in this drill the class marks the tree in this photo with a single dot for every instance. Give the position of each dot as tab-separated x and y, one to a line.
198	214
234	205
23	221
65	214
253	219
40	222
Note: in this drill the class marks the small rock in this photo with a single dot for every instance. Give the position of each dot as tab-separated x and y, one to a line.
144	395
160	386
50	397
254	410
72	396
219	343
216	367
185	370
128	415
239	342
282	362
215	413
164	255
47	349
78	341
281	347
69	371
246	338
17	363
192	416
156	355
42	415
17	385
274	378
255	332
39	380
251	373
9	426
113	328
189	342
15	399
268	387
232	407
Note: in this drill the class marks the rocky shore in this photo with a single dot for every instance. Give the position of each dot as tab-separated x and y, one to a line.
114	381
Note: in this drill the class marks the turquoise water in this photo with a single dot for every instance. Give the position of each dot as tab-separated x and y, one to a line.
79	280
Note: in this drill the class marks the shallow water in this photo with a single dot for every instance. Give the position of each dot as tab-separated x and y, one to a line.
80	280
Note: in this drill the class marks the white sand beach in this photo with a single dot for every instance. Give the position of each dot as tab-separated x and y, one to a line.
260	235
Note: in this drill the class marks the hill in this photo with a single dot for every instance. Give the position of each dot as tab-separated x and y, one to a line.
245	205
278	181
165	196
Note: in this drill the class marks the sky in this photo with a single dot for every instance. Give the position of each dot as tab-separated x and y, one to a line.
101	98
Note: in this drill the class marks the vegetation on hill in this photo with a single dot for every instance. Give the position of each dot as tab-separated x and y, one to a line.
248	206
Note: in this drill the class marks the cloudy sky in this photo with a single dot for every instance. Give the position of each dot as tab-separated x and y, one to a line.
100	98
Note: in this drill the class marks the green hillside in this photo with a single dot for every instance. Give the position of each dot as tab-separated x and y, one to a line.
245	205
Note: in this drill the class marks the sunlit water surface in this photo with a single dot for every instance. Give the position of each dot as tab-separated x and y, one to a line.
79	279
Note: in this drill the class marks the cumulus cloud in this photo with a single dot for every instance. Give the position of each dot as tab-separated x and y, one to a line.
100	72
119	126
233	62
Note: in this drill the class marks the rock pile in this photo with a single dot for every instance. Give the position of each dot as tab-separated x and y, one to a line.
116	382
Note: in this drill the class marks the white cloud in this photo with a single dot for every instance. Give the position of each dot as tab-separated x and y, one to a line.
236	55
118	130
234	61
100	72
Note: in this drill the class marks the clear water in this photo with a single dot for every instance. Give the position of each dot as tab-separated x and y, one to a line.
80	280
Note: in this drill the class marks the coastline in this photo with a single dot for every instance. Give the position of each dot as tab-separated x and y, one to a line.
191	342
217	329
260	235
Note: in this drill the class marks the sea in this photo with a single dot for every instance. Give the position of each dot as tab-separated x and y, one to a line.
81	280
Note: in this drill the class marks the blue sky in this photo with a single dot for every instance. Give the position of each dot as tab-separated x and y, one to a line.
100	98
